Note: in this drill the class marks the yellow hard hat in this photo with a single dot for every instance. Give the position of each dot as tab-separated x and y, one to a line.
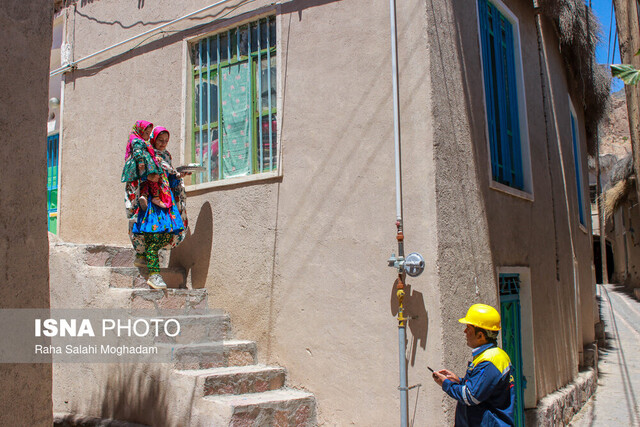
483	316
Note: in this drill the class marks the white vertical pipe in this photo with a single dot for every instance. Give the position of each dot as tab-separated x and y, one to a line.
404	392
396	109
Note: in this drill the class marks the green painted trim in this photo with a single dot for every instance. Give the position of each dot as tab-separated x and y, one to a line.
255	130
193	113
255	58
227	63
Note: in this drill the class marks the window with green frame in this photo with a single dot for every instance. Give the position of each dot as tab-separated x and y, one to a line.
234	92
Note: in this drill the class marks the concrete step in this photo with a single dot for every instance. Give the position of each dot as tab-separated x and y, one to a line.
213	355
244	379
170	302
283	407
115	256
134	277
197	329
237	379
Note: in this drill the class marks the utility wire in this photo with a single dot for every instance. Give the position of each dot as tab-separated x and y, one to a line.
163	32
610	26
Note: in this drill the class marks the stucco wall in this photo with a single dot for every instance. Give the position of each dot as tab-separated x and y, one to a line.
298	261
464	257
25	43
626	259
528	232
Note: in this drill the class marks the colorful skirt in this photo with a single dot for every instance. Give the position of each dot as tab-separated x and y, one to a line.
158	220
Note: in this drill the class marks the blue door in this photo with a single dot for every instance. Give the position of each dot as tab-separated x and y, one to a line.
511	338
52	182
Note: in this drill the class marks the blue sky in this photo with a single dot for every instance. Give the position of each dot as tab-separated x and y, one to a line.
603	10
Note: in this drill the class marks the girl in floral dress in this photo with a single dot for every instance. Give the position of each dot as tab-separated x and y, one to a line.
160	140
140	163
158	223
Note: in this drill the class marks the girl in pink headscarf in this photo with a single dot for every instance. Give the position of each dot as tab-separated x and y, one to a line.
160	140
140	162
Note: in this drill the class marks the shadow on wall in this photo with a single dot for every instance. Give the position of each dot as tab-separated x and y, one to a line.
132	394
194	253
419	324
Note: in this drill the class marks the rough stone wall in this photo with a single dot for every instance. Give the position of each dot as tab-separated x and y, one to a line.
25	43
559	407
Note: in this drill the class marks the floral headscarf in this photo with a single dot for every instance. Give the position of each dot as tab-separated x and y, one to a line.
136	133
156	132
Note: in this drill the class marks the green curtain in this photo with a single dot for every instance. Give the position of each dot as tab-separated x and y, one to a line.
236	120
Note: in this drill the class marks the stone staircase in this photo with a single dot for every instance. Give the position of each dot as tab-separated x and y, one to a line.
124	274
216	379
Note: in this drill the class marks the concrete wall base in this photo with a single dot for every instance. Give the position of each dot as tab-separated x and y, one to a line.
559	407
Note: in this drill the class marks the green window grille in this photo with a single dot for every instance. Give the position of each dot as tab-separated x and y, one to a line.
234	102
511	336
498	61
53	143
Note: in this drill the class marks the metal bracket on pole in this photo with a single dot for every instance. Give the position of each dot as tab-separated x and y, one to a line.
409	388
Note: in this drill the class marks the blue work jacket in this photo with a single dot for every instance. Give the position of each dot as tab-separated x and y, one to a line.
486	395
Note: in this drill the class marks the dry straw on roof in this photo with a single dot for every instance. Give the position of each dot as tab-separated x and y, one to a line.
578	30
620	186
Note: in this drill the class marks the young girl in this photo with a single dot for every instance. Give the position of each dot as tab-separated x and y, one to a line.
157	224
141	163
160	140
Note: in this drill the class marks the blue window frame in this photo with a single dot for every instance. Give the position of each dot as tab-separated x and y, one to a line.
498	60
578	164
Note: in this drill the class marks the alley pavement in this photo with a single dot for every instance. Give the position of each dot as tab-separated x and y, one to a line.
616	401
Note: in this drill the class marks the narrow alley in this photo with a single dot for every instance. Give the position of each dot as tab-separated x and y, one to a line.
615	402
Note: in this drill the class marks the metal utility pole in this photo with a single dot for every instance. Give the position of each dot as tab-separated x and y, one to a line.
413	264
402	327
629	41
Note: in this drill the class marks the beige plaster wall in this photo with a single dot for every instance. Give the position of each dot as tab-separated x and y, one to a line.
25	43
298	261
523	233
464	258
627	270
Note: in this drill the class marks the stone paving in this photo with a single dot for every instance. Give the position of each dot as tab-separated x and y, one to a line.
616	401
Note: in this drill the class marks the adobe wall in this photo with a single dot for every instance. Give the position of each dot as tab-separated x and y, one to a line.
627	266
503	229
298	261
25	43
465	262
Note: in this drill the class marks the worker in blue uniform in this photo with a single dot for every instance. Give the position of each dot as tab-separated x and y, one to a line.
486	394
